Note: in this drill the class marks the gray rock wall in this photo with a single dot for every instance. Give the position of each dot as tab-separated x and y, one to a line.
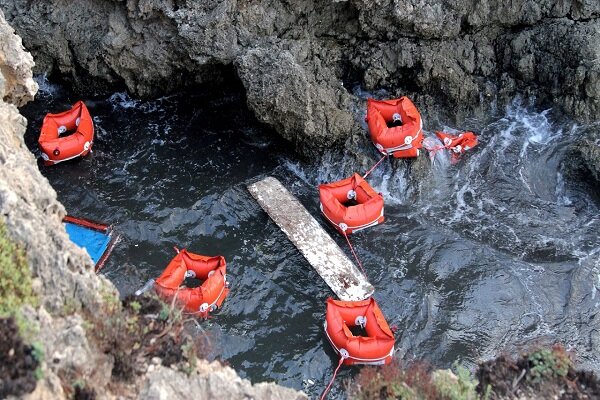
213	381
454	58
28	203
17	86
62	272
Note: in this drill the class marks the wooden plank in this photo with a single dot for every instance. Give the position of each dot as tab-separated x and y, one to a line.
321	251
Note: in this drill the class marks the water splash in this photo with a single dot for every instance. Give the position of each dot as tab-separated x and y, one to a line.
123	101
389	178
47	90
509	191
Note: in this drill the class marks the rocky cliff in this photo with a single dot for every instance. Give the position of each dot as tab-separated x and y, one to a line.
299	61
69	291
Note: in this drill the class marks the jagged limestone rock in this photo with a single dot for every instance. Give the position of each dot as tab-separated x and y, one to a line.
287	95
456	59
210	381
18	86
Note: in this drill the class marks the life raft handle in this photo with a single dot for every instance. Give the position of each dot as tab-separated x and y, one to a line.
176	249
145	288
361	321
344	354
190	274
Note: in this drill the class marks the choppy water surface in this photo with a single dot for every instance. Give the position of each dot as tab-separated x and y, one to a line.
495	252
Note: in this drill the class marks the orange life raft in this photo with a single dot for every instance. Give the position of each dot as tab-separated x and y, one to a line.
202	299
79	143
402	141
458	144
349	218
376	348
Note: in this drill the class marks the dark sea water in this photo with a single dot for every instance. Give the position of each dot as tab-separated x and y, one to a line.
494	253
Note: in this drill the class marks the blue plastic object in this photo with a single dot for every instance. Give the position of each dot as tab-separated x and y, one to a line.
93	241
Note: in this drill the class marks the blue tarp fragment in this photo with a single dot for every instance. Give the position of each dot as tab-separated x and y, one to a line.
93	241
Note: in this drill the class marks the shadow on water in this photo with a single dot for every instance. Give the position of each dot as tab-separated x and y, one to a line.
492	253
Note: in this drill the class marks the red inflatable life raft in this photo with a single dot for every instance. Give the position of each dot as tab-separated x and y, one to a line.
377	348
367	210
79	142
458	144
403	141
202	299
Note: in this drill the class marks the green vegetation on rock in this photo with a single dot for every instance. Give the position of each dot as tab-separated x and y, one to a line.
541	373
460	385
414	382
548	363
15	276
140	330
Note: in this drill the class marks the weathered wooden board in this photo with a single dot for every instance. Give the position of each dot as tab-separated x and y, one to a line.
321	251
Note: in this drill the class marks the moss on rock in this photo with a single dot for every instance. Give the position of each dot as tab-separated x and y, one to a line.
15	276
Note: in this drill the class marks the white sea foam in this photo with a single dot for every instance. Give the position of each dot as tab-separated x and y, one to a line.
46	89
122	100
508	191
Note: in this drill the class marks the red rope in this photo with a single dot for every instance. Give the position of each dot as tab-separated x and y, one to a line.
88	223
324	395
374	166
436	149
354	254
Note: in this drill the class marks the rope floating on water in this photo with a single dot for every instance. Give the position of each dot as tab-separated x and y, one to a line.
374	166
354	254
324	395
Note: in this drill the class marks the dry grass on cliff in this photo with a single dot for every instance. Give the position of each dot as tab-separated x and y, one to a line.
543	373
412	382
19	362
136	334
387	381
142	330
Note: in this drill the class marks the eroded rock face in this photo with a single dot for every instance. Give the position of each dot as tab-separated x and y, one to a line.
590	153
583	160
62	272
212	381
18	86
28	204
454	58
298	103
